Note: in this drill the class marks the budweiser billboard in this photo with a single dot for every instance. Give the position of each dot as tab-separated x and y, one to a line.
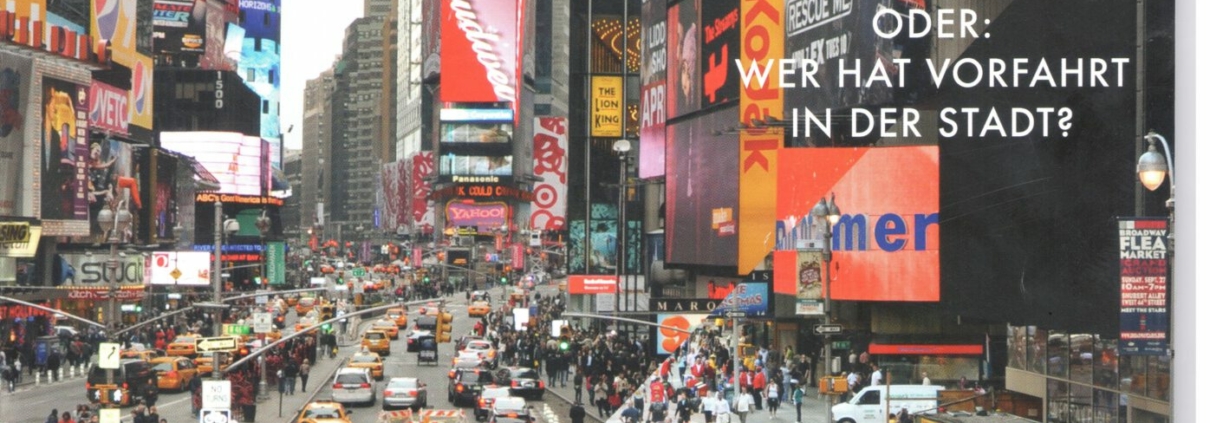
479	46
592	284
550	163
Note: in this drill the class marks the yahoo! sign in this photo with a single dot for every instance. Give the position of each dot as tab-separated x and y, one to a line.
479	215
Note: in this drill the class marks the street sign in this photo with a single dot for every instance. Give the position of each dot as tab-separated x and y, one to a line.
111	415
840	345
828	329
216	394
262	322
736	314
110	356
217	344
359	272
215	416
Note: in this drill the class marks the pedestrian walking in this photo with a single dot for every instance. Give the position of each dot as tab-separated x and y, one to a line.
153	415
744	404
577	382
577	413
291	373
773	397
52	364
722	410
66	418
797	398
304	371
53	417
684	410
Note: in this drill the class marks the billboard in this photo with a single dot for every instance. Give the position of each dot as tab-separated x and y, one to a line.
112	174
182	24
668	340
720	47
592	284
115	21
606	120
652	91
683	59
597	241
886	245
185	268
483	217
422	168
395	194
480	45
847	29
16	73
141	92
700	208
222	16
233	158
1143	247
108	109
758	147
260	67
91	270
275	262
64	151
477	132
751	298
476	165
549	208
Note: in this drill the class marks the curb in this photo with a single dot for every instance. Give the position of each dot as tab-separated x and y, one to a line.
570	402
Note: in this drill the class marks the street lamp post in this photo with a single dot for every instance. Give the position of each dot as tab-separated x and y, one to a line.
263	224
1152	169
826	214
621	147
221	230
114	221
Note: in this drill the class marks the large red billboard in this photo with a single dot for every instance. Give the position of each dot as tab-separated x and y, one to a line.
550	163
422	168
886	245
479	51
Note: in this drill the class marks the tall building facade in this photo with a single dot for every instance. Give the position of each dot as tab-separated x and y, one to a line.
316	189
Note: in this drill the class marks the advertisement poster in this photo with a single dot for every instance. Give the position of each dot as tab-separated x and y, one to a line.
549	209
601	245
234	159
886	244
683	59
809	280
702	162
184	268
275	262
111	174
482	217
108	108
751	298
845	34
479	41
65	151
183	25
720	49
606	119
652	93
16	75
668	340
762	25
1143	249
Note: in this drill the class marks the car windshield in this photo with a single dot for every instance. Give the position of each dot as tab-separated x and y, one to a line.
374	335
510	420
163	367
350	378
322	413
478	345
365	359
476	377
510	404
525	374
495	393
184	340
468	355
402	383
384	323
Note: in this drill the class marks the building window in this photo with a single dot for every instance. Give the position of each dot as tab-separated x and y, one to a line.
1057	350
1036	355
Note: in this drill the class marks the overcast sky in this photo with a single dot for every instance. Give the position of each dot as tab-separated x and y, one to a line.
312	31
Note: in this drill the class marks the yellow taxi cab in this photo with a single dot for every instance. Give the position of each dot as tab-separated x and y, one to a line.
388	326
399	315
376	341
273	335
479	309
367	360
205	364
183	346
145	355
174	373
304	305
323	411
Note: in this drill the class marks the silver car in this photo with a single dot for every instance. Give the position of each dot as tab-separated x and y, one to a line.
402	392
353	385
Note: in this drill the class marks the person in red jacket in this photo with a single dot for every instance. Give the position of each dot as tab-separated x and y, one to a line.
758	386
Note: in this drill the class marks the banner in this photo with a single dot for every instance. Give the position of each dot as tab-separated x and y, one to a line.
751	298
108	108
111	174
1143	247
141	92
592	284
720	48
64	152
606	106
185	268
275	262
886	245
16	73
683	59
92	269
422	168
479	42
549	208
668	340
652	92
762	36
395	195
808	278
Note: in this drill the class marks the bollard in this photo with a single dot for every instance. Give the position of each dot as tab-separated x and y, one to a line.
37	378
59	374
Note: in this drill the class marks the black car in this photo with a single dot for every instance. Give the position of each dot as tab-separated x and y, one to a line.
466	384
524	382
133	380
416	337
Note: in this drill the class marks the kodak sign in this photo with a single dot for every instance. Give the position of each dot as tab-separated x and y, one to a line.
762	38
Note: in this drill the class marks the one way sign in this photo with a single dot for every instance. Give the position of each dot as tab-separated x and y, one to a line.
828	329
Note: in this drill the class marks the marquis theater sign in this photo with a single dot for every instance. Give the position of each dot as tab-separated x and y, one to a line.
476	215
24	23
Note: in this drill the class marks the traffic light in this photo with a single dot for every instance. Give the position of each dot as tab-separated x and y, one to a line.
426	278
327	327
503	279
444	322
564	344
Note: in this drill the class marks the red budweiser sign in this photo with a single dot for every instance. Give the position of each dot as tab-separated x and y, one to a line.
479	50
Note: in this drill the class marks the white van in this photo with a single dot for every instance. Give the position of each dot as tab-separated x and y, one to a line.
869	405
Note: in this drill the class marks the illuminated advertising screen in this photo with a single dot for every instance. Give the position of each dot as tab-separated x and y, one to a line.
186	268
479	44
183	25
483	217
477	132
233	158
597	242
64	151
221	17
654	65
260	67
886	245
16	82
668	340
111	173
702	197
684	35
476	165
720	48
828	36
